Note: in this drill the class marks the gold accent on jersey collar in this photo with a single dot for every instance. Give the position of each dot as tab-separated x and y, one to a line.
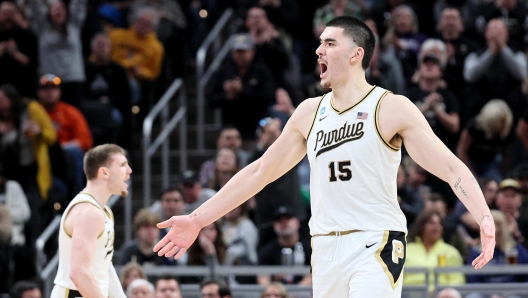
351	107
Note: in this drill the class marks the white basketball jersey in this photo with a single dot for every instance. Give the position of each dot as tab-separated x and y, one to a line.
353	169
103	253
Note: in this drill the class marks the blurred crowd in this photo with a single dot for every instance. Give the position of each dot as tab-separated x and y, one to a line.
80	73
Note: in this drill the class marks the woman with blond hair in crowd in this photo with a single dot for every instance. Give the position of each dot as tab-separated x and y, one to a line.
129	273
484	142
275	290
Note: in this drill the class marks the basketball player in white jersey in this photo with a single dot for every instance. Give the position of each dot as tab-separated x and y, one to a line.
353	137
86	236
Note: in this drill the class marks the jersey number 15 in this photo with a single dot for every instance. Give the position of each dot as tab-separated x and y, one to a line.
345	173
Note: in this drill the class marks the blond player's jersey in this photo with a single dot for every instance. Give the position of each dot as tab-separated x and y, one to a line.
104	248
353	169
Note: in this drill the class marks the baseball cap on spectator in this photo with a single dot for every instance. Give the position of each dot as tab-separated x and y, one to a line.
281	212
242	41
49	80
510	183
189	177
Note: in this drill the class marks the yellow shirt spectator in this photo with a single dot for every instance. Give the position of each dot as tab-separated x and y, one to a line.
141	56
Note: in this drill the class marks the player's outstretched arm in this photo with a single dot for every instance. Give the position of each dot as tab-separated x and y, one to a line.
84	222
284	154
429	152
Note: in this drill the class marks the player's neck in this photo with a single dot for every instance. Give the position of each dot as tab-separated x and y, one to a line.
99	191
350	92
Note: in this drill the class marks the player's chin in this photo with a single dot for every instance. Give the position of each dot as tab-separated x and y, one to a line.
325	84
124	193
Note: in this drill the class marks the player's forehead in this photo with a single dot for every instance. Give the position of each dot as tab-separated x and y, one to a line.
336	35
118	158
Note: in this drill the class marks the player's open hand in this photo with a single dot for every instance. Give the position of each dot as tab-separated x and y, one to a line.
487	238
182	234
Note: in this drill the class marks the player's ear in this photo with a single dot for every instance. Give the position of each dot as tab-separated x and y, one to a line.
357	54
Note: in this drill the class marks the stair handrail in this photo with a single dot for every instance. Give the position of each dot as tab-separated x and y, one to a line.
167	126
214	39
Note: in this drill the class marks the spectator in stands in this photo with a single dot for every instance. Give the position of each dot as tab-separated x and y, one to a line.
107	83
171	203
509	201
505	245
284	191
403	37
18	50
12	196
208	250
243	90
58	29
140	288
167	286
383	12
431	94
288	241
26	289
26	132
335	8
428	249
384	69
147	234
513	12
226	166
193	192
496	71
269	46
240	237
216	288
484	142
129	273
72	129
229	137
450	29
410	201
275	290
449	293
138	50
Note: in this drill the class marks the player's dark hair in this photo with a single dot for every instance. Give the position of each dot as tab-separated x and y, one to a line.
223	287
359	33
22	286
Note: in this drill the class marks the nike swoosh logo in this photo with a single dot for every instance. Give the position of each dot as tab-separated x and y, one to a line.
321	119
368	246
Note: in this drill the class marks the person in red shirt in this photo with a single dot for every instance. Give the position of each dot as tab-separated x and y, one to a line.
72	129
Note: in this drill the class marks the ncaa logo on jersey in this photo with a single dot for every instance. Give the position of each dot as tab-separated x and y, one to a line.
323	110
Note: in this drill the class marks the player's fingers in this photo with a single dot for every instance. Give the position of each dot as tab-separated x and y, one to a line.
165	249
477	260
161	243
164	224
172	252
180	253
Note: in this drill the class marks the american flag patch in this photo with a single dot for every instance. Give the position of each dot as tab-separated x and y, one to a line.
362	116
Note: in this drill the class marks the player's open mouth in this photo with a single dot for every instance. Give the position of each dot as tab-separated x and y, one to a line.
323	66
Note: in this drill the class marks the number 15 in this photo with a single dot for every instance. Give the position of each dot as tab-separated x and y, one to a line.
342	166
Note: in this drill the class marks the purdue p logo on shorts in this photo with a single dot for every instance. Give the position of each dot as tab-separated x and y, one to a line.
391	255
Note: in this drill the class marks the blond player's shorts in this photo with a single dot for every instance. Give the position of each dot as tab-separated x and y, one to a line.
358	264
61	292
